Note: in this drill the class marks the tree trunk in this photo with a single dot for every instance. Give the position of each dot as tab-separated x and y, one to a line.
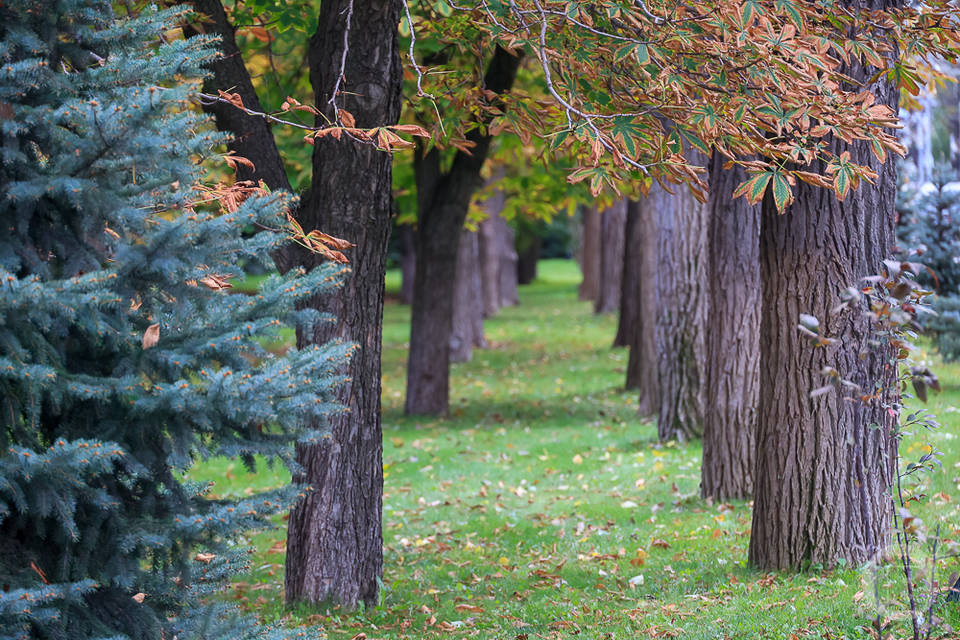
489	253
612	241
733	338
527	261
682	297
630	277
408	262
642	363
823	463
443	200
590	261
508	264
467	303
334	537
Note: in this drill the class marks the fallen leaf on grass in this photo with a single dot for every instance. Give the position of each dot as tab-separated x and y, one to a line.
469	608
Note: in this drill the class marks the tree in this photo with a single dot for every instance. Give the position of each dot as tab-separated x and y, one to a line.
493	247
590	253
612	224
123	358
732	364
334	536
467	300
682	302
823	464
631	279
642	361
443	198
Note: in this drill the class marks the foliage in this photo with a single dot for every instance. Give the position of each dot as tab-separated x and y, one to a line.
623	86
123	356
928	233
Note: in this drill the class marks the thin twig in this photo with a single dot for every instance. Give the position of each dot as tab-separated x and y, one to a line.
343	64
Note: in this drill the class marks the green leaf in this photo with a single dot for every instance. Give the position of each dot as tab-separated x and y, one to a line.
643	54
754	188
782	195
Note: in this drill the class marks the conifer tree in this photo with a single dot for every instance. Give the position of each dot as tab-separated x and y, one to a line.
123	356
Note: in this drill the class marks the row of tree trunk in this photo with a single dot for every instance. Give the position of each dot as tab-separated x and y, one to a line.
710	297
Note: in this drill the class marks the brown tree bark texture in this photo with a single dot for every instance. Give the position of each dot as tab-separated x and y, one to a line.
408	262
489	249
467	300
590	259
443	199
508	264
334	536
682	300
612	241
733	338
630	278
822	471
642	368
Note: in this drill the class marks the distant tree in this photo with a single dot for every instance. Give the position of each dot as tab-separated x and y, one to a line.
123	356
443	200
631	278
612	224
590	253
682	299
642	361
732	364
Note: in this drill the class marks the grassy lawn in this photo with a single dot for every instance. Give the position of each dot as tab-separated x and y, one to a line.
544	508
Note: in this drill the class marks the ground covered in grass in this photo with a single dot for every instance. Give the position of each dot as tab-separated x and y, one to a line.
544	508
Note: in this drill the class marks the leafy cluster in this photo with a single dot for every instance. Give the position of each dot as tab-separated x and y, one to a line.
123	355
624	86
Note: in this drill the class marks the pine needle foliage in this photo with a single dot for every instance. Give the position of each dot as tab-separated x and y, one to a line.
928	233
122	360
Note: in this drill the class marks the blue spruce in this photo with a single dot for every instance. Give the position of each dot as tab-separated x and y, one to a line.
122	360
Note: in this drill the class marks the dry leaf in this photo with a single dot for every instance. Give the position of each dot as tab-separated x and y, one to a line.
140	597
151	336
469	608
347	118
216	282
205	558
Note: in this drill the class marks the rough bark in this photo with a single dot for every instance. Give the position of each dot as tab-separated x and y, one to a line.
252	137
682	301
443	198
408	262
467	301
508	264
642	370
334	536
590	260
733	338
822	469
630	277
527	260
490	251
612	224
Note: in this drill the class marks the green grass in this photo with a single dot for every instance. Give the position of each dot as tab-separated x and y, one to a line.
544	508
